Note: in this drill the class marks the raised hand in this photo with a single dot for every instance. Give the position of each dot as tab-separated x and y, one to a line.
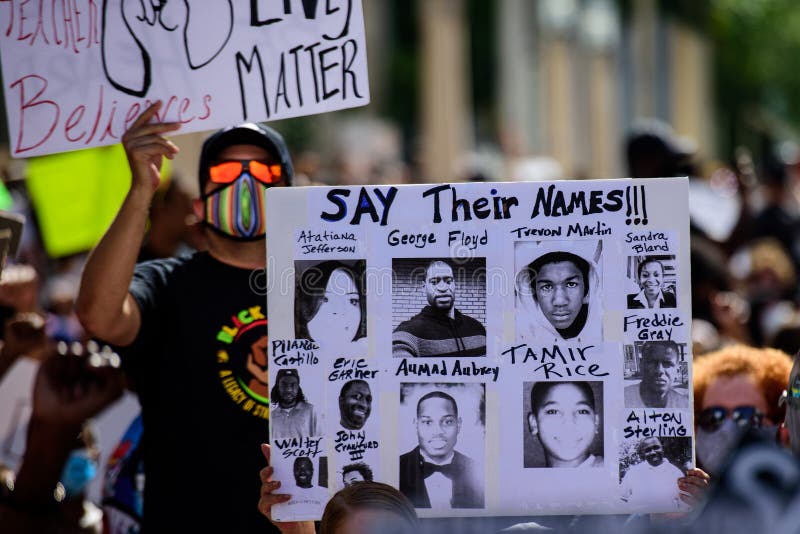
75	384
19	288
145	147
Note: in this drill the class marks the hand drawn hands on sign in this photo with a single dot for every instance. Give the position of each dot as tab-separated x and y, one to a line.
127	62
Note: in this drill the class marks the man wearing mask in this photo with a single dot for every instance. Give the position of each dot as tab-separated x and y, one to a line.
182	321
791	397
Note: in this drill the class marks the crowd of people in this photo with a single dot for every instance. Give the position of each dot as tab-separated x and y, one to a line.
169	323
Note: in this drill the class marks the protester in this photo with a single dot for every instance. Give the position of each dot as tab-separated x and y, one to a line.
178	318
69	388
653	150
791	399
170	232
369	508
735	389
439	329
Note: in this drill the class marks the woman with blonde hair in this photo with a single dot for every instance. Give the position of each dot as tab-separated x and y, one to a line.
736	389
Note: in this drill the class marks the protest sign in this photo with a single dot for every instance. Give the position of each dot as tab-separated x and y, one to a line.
77	74
76	195
488	349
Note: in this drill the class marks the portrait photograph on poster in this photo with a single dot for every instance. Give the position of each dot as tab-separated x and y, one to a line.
655	280
292	415
563	426
649	467
444	467
331	305
558	289
309	486
356	472
656	375
438	307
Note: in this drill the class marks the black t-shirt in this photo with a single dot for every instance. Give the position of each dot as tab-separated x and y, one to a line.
204	412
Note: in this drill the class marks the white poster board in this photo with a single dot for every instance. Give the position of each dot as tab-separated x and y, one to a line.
76	74
533	336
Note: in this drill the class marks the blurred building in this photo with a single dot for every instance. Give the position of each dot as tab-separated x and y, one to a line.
571	77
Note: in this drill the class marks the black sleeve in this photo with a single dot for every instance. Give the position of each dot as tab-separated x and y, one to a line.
150	288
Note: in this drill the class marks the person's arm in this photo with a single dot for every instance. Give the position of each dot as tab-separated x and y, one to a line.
104	306
68	390
268	499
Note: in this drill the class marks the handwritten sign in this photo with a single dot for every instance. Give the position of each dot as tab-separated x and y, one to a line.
78	73
463	341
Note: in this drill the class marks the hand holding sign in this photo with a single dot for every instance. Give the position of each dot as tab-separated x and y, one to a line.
268	498
145	146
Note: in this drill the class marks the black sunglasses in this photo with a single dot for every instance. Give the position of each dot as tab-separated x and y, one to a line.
712	417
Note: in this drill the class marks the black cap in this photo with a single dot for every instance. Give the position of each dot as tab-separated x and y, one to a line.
247	133
286	372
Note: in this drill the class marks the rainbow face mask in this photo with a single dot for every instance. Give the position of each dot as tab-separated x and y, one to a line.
236	210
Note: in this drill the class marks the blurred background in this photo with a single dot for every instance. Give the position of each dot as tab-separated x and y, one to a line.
474	90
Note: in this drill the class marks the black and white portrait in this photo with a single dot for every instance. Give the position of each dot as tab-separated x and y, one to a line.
291	414
656	375
650	468
310	481
655	281
355	404
356	472
438	307
330	305
563	424
558	290
444	466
